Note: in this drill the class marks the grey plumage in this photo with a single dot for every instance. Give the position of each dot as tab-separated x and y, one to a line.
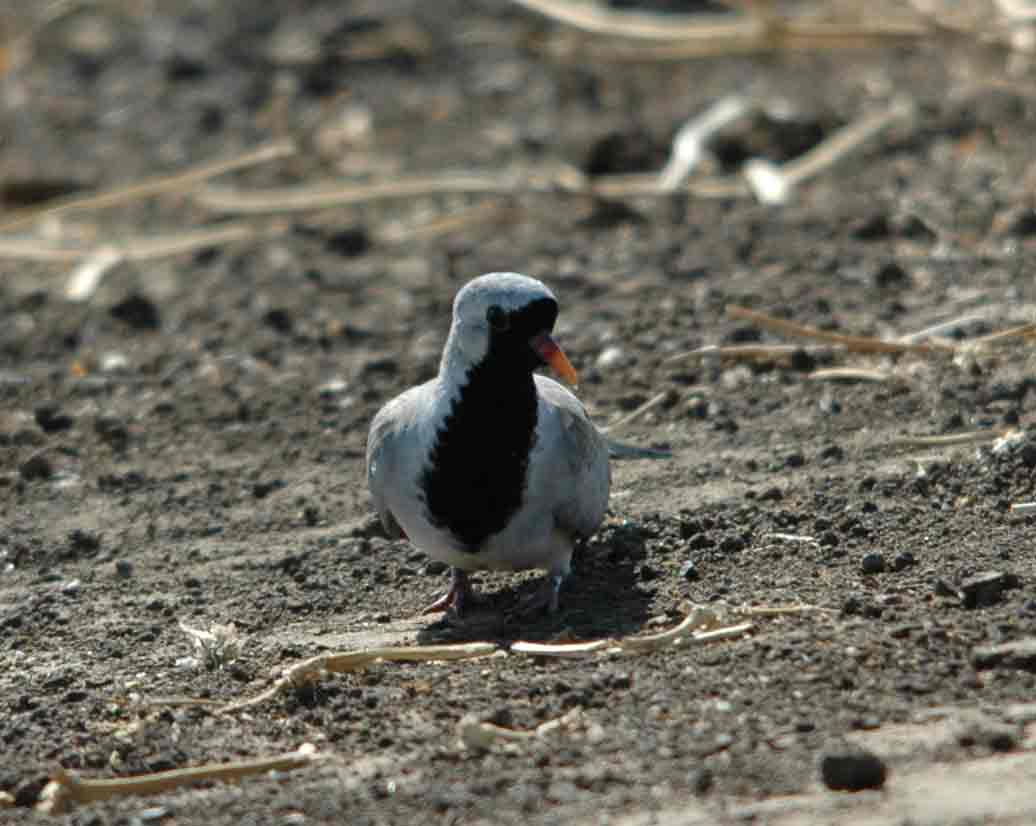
558	489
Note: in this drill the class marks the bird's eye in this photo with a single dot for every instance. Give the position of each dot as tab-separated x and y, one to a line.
497	318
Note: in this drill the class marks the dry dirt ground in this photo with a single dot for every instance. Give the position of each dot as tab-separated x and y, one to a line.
187	445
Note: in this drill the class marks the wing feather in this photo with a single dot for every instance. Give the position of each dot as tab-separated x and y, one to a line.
581	472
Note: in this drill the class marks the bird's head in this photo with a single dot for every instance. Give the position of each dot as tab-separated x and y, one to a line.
507	317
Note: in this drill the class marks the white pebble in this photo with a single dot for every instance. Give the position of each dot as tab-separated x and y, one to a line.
611	357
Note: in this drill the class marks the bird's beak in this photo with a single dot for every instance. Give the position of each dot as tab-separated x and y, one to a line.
555	357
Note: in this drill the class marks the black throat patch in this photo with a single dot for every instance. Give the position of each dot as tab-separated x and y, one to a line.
475	478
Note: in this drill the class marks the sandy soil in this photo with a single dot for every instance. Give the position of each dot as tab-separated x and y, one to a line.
187	445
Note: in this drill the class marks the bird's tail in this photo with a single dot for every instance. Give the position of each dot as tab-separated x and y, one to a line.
621	450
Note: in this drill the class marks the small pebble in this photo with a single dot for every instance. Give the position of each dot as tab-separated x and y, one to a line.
976	729
50	418
942	588
83	541
986	588
123	568
903	561
697	407
349	243
1019	654
279	319
114	362
872	563
873	227
850	769
689	571
611	357
36	467
434	567
891	274
701	781
138	312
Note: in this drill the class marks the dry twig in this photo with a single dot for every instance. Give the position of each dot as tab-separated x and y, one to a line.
144	248
159	185
478	735
852	374
769	182
467	218
973	437
856	344
1026	331
701	625
67	787
646	407
691	138
936	330
313	669
756	352
703	35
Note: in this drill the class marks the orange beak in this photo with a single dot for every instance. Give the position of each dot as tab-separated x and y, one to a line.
556	358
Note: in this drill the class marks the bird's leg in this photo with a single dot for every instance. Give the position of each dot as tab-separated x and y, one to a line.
545	598
459	595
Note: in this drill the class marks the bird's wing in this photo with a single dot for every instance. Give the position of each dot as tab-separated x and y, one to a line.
576	459
383	459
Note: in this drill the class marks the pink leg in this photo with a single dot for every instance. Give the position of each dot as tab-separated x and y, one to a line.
456	598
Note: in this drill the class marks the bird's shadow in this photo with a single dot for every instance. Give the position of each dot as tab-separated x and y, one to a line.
601	598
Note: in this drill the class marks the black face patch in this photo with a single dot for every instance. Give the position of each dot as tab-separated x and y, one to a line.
475	478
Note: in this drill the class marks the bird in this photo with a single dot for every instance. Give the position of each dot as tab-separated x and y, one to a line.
490	465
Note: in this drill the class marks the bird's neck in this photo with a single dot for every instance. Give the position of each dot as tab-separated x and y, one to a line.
496	385
475	477
495	377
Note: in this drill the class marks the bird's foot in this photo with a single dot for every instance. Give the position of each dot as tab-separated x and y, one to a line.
543	600
455	600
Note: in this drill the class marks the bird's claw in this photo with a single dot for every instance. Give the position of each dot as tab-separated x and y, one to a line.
455	600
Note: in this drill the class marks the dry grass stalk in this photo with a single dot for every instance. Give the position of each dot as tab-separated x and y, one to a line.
795	538
855	344
769	182
775	184
1026	331
970	438
782	353
67	787
835	147
313	669
689	143
781	610
851	374
801	36
646	407
143	248
478	735
701	625
308	197
567	649
467	218
86	278
936	331
646	185
158	185
700	34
